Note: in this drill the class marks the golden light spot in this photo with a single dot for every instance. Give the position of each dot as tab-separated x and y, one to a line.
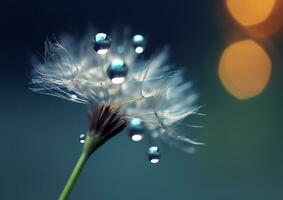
269	26
250	12
244	69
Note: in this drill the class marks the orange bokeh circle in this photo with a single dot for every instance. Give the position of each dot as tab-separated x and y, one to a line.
260	18
244	69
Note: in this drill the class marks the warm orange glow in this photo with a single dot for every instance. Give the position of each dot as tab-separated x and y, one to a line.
269	26
250	12
244	69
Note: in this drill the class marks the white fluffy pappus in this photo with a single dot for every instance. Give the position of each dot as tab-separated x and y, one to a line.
150	90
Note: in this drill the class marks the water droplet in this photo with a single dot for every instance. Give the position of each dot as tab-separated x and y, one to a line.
139	50
137	137
139	43
117	71
82	138
73	97
101	43
153	154
136	129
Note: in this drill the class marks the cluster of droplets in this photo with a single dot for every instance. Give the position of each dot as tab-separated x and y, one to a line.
117	71
98	70
136	129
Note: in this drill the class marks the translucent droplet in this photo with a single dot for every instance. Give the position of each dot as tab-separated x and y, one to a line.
136	129
153	154
139	50
73	97
82	138
101	43
139	43
117	71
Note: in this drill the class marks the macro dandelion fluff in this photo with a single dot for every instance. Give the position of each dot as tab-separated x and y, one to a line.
120	88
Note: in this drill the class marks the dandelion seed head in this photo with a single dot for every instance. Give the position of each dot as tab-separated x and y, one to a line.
106	72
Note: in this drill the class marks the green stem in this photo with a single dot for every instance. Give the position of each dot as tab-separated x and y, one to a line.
89	147
76	172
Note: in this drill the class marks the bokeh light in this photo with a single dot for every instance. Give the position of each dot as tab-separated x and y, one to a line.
250	12
244	69
260	18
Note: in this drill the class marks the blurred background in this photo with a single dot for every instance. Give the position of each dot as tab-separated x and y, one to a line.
232	49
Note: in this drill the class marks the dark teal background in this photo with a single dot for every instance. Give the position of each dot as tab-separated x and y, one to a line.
39	144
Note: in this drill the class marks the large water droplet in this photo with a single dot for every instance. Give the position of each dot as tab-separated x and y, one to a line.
136	129
101	43
117	71
153	154
139	43
82	138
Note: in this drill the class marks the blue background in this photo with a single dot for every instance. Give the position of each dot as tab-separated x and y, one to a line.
39	144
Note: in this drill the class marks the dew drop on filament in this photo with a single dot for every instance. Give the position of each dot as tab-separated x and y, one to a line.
101	43
73	97
136	129
117	71
153	154
82	138
139	43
